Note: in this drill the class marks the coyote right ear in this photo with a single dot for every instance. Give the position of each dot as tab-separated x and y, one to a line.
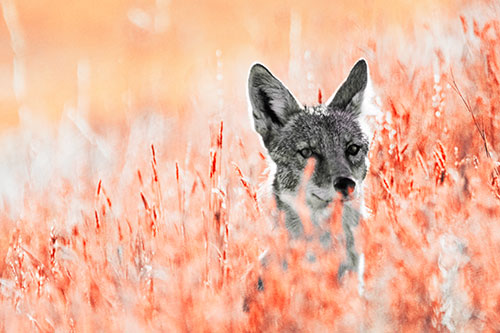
271	102
350	94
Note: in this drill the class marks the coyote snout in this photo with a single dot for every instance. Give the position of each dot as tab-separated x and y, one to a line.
344	186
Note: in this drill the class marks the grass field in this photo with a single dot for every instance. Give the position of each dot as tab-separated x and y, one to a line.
134	195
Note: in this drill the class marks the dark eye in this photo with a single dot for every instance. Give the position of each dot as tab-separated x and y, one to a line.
306	152
353	150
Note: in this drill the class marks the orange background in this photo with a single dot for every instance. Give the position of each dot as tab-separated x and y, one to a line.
136	56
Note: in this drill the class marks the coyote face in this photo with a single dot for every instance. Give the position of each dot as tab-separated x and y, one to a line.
330	133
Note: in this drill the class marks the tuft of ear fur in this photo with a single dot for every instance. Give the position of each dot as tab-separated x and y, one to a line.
349	95
272	104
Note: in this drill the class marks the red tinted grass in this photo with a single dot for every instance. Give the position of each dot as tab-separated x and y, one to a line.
301	207
246	184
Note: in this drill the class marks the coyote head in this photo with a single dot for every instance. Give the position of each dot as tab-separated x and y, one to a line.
331	133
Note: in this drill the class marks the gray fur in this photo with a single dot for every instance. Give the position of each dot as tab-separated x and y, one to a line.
328	130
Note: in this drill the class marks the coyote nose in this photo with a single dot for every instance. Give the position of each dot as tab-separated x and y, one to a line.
344	185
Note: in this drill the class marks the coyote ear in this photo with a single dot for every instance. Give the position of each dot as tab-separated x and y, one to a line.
272	104
350	94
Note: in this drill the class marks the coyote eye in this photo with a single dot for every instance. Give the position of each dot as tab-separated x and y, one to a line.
353	150
306	152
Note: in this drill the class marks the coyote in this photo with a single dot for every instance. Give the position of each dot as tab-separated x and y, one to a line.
333	134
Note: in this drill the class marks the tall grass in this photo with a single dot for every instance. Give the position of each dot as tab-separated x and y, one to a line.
161	226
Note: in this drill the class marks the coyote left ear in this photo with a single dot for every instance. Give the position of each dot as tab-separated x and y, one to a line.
350	94
271	102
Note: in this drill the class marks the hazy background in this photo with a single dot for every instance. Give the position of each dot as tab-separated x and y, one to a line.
112	59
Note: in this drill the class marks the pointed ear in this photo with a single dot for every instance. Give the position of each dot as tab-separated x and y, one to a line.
350	94
271	102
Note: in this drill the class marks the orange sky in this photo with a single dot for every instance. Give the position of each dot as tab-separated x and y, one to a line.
116	57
